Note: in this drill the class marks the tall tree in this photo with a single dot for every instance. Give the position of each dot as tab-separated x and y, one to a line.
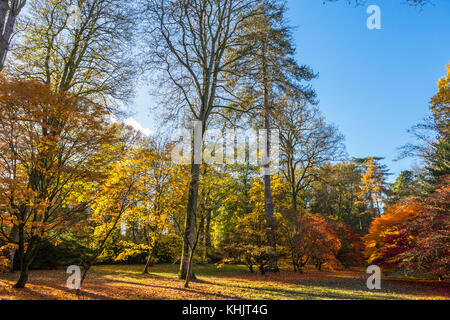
307	142
431	230
188	45
434	140
46	142
9	11
115	196
270	70
82	47
373	188
79	46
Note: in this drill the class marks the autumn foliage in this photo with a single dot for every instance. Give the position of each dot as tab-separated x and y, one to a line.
430	252
47	142
386	234
413	235
311	239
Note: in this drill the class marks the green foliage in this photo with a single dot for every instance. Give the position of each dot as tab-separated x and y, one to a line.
62	253
403	187
168	249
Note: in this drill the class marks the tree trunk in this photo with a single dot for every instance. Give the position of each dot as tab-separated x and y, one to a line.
294	264
7	21
262	269
189	227
189	272
268	201
294	208
23	278
149	261
204	247
26	257
207	237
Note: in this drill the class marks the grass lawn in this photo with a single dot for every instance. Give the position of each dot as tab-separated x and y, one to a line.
229	282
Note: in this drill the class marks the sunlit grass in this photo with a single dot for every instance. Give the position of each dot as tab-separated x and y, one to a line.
237	282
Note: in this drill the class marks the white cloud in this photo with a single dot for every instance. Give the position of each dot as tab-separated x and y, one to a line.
132	123
137	126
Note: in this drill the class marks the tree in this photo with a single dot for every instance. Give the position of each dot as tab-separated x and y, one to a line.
215	187
440	104
403	187
270	70
434	141
47	140
234	249
386	238
351	248
113	198
163	196
188	43
312	241
307	142
335	194
372	187
430	252
83	47
9	11
247	241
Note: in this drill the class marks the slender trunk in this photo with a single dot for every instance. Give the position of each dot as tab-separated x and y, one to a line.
21	252
8	19
294	208
189	272
99	251
208	230
204	247
23	278
294	264
262	269
26	257
207	237
268	201
4	44
189	227
149	260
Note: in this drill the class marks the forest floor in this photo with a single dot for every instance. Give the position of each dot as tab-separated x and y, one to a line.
229	282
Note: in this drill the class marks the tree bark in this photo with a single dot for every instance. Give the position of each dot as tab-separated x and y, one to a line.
207	237
26	257
8	17
149	260
189	227
268	201
189	272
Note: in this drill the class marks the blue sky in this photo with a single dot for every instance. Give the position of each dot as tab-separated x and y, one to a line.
373	84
